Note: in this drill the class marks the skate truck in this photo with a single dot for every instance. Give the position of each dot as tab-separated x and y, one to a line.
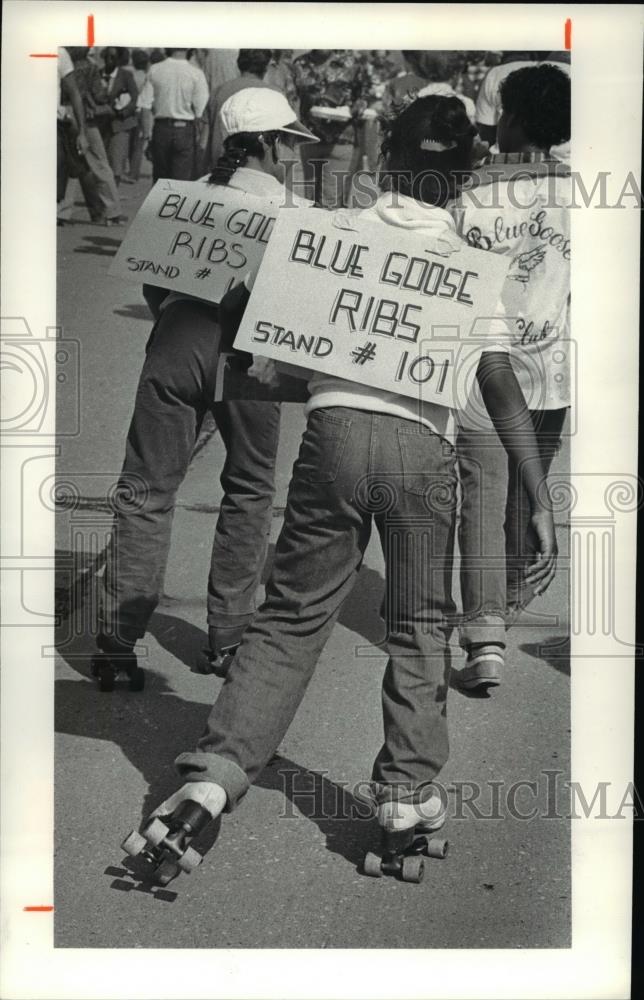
165	843
401	853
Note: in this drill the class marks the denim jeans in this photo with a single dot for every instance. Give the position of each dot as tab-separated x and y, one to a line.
175	391
494	542
354	467
173	150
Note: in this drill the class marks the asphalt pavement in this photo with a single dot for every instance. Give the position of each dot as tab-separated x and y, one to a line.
283	871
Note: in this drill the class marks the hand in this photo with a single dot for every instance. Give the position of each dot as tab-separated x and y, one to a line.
480	150
541	534
358	108
209	795
82	144
264	370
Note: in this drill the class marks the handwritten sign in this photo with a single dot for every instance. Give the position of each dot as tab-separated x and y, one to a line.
196	237
373	304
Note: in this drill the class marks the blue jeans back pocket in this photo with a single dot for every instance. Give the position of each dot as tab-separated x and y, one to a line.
427	463
322	447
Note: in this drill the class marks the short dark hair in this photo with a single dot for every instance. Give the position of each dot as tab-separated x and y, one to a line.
435	66
430	175
254	61
538	97
140	58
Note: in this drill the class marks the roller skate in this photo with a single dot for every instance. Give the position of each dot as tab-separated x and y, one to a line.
408	834
224	643
483	667
116	657
164	843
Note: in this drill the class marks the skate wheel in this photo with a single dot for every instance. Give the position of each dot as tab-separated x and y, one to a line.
137	679
436	847
133	844
372	865
155	832
413	869
189	860
106	678
166	871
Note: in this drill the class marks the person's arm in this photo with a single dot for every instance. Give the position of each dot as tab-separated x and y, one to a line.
72	94
487	133
132	89
200	98
512	421
487	107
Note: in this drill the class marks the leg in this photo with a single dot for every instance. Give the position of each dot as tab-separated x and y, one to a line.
91	195
136	149
317	557
174	393
548	425
417	533
161	147
61	167
250	433
483	471
117	153
183	157
97	159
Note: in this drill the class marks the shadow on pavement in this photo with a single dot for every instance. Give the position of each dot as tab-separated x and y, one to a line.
347	823
138	311
555	651
178	637
103	246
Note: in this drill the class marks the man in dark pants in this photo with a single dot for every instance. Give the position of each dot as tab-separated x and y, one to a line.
178	93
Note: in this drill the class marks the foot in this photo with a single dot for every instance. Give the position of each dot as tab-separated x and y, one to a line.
211	796
223	643
117	220
209	662
483	668
425	817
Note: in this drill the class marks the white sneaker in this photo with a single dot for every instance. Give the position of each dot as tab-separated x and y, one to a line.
426	816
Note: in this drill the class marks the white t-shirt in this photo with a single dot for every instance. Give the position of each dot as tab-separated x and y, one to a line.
536	292
488	102
176	89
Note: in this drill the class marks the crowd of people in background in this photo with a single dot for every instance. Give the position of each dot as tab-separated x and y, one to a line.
117	105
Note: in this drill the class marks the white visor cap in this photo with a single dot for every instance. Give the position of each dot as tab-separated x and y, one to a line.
258	109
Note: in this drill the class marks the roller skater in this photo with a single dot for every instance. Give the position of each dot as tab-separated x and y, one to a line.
362	444
176	391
